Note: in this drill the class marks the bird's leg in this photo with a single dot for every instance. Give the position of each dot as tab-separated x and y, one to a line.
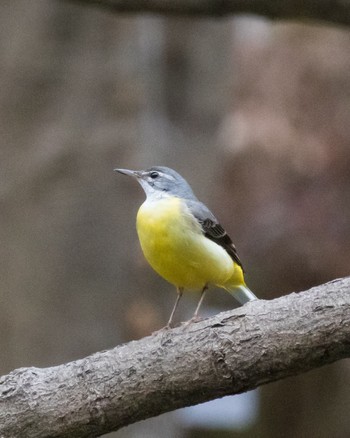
179	291
195	315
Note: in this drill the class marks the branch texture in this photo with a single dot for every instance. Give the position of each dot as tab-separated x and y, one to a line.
230	353
336	11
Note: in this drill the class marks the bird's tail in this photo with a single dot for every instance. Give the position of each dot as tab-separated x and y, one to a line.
242	293
236	286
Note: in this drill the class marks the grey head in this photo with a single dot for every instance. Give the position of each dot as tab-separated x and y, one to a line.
160	182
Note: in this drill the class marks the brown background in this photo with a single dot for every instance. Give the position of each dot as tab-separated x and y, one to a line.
254	114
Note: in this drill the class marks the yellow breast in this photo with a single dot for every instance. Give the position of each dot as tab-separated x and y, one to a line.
174	245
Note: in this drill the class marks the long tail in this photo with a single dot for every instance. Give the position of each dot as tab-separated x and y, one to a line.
242	294
236	286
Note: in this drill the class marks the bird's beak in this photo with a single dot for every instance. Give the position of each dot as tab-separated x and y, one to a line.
133	173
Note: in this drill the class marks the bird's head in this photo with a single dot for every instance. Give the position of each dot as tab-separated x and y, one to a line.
160	181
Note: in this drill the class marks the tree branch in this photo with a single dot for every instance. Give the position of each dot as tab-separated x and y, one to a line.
336	11
230	353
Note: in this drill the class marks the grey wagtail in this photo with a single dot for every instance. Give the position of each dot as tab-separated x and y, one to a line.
182	240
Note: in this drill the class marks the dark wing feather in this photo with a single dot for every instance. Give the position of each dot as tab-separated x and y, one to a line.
213	230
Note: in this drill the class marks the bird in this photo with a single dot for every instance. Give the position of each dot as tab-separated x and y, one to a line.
183	241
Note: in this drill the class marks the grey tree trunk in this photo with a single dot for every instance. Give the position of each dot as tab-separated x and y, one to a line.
230	353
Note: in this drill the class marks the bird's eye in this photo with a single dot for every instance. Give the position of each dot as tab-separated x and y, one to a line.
154	175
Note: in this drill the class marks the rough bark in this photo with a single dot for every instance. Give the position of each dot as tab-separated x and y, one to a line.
230	353
336	11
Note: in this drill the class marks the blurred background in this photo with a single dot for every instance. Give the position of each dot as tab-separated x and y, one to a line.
254	114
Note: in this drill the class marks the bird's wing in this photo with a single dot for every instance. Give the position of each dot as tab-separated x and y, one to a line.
212	229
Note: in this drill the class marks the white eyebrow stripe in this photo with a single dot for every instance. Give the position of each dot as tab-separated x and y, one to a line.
166	175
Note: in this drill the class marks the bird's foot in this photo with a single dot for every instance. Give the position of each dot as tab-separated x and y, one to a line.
194	319
162	330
